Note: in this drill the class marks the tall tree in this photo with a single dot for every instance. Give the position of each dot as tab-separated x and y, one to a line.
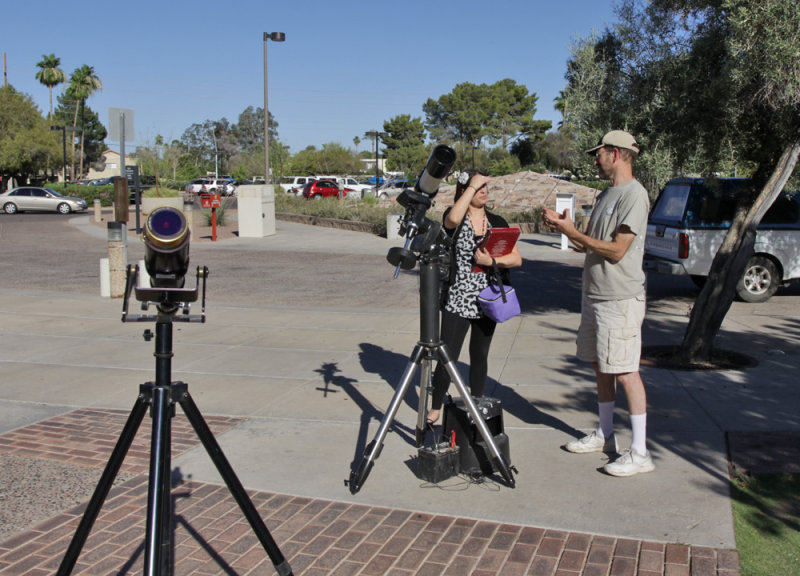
472	113
704	85
82	84
27	146
404	143
50	74
94	132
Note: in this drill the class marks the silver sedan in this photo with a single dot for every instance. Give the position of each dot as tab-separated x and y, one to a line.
30	198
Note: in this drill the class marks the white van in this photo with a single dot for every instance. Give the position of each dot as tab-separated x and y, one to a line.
688	223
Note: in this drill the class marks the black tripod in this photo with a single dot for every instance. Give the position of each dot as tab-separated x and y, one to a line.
432	256
162	396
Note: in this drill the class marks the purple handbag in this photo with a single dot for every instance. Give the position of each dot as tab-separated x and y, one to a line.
499	302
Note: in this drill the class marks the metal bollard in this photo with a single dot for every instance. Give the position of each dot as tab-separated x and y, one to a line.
117	258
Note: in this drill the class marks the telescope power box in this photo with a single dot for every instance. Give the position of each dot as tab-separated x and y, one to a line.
475	457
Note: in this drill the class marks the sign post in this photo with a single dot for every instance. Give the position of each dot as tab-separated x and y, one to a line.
565	202
211	201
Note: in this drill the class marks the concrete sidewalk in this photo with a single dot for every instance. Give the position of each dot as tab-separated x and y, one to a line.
307	386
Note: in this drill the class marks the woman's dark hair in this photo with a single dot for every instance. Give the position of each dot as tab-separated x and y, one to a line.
461	187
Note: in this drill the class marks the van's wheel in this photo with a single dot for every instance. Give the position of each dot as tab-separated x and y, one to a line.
759	281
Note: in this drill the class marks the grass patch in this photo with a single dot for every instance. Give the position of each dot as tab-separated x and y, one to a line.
366	210
766	519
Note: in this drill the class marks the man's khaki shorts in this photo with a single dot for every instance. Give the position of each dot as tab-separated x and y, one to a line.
611	334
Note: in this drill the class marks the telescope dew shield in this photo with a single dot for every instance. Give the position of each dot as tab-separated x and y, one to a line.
166	247
438	166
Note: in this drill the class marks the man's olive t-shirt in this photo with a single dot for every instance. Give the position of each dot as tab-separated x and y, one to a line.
623	205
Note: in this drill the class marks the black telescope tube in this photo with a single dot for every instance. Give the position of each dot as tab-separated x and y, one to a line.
166	247
438	166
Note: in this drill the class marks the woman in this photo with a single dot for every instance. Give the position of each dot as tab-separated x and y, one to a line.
467	222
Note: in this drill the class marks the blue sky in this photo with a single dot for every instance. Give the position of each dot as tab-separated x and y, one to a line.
344	69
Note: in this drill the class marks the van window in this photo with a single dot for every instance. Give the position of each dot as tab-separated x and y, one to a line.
783	214
671	203
713	203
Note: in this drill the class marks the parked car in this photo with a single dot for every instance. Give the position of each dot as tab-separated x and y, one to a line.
390	189
33	199
196	186
360	190
688	223
222	186
324	189
295	184
102	181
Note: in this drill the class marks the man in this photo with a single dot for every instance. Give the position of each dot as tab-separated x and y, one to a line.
613	301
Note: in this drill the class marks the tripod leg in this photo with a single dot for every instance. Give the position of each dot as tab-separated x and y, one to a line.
234	485
424	395
502	465
103	486
373	450
156	552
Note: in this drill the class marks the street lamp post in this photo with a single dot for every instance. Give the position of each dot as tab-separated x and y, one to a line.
375	135
64	130
275	37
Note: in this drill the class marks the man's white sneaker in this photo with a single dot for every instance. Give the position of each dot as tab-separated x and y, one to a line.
630	463
592	443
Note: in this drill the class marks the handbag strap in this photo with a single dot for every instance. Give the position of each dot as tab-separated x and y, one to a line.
495	276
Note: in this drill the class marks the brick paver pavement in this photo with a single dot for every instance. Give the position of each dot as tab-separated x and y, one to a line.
317	537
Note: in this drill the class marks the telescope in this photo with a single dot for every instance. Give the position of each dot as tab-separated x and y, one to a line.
436	169
166	260
166	247
420	232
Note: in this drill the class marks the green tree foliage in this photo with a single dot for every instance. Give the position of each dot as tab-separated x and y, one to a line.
405	144
82	84
50	74
332	159
472	113
706	86
27	145
94	132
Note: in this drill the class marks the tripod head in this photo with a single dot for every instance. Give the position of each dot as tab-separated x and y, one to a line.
423	235
166	300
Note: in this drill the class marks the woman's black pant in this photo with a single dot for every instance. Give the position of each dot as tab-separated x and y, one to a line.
454	332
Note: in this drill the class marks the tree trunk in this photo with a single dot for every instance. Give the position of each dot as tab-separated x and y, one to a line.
729	264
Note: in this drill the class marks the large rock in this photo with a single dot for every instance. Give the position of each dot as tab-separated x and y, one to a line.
524	191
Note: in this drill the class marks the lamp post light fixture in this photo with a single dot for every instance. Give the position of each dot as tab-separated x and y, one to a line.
275	37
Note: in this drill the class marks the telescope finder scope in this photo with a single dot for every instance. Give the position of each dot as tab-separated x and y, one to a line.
166	247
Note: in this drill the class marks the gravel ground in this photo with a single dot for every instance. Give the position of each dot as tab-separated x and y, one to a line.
33	490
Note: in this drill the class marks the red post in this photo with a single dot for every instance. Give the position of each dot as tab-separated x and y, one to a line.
211	201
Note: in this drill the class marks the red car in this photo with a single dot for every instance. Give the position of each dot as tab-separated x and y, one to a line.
324	189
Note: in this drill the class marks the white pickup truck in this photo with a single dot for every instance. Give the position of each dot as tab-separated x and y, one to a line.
688	223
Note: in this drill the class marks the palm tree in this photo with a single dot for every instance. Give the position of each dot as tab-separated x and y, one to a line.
82	84
50	74
356	141
562	105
